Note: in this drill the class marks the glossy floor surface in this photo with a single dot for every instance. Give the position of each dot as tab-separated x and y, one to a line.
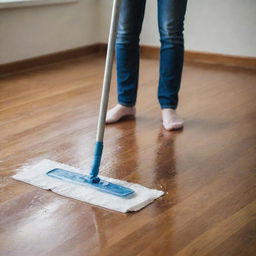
208	170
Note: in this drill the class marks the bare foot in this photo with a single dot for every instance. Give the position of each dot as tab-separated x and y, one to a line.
171	121
119	111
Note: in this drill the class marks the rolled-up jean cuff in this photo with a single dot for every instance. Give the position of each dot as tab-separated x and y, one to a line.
126	104
168	106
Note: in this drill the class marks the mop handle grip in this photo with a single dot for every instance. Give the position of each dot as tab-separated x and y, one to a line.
97	158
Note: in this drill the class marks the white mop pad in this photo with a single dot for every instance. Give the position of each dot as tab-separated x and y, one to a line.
36	175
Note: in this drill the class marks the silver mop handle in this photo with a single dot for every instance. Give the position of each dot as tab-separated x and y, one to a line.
108	70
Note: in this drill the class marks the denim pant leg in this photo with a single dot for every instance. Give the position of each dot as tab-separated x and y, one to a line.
170	22
127	50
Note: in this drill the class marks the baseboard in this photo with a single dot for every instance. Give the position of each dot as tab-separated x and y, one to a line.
220	59
150	52
31	63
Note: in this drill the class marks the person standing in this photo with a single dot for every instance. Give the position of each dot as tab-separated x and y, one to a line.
171	14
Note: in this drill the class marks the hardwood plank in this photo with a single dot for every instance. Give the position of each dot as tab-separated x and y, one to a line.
213	237
241	243
207	170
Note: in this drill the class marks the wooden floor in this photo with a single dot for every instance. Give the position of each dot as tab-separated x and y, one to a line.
208	170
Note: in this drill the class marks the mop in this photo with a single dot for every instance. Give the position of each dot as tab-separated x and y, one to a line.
92	188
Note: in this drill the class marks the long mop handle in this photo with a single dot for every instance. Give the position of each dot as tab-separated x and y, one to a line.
105	91
108	71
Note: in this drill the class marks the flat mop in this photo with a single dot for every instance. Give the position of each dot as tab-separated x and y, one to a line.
92	188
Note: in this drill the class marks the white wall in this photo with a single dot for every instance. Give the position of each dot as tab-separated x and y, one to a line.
222	26
217	26
27	32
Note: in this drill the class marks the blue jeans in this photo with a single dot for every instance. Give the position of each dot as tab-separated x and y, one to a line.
170	24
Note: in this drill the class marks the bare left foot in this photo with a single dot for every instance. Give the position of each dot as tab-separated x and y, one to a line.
171	121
